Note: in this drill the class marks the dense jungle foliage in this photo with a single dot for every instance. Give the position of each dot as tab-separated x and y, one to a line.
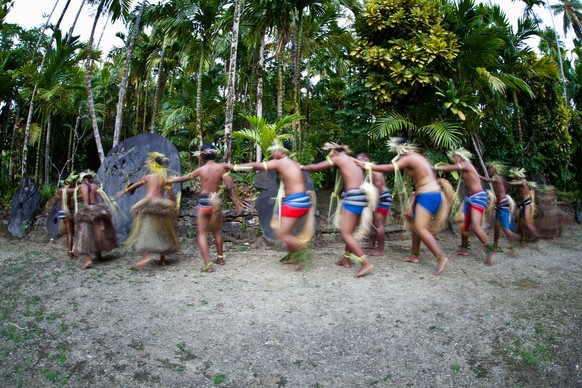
443	73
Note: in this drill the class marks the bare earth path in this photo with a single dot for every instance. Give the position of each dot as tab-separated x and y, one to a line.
256	323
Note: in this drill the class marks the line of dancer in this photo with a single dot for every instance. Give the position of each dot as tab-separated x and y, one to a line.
363	206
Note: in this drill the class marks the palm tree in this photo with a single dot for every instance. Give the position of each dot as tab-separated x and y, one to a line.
264	134
231	83
4	9
33	95
56	88
572	15
529	12
117	9
443	134
125	77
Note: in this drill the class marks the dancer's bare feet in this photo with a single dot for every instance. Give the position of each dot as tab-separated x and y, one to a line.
411	259
365	269
376	252
162	262
344	262
219	260
442	261
207	267
88	263
463	252
143	262
489	261
370	245
289	261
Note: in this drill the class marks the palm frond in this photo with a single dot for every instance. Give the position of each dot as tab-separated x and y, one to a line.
516	83
286	121
496	84
392	124
35	132
248	134
444	134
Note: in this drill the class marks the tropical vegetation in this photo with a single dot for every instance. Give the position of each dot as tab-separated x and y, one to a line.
443	73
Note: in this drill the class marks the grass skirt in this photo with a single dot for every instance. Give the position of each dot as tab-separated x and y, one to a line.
154	228
94	230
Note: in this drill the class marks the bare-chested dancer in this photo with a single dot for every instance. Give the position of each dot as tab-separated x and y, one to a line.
382	210
94	228
296	203
355	200
154	226
212	175
525	205
428	200
475	203
503	204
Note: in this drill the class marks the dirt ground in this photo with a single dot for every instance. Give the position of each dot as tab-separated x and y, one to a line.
257	323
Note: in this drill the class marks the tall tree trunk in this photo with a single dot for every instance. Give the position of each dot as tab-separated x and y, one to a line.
479	152
145	106
518	126
158	92
35	89
559	56
72	132
231	84
125	78
137	107
76	139
199	94
280	83
37	177
102	32
307	96
47	147
280	90
297	74
13	144
90	100
72	29
260	80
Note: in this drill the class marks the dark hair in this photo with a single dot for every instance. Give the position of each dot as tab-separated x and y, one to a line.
208	151
287	144
162	161
362	155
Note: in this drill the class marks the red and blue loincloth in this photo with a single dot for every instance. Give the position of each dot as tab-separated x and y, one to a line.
477	201
295	205
204	205
384	202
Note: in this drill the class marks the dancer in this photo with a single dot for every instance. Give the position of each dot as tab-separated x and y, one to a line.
526	205
211	175
154	227
504	204
295	204
65	197
429	201
358	201
382	210
94	230
475	203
